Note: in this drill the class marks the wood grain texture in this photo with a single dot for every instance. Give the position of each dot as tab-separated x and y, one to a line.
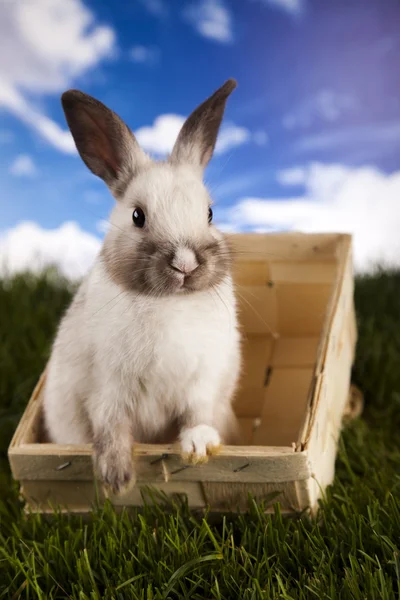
305	272
286	401
73	495
248	464
292	246
292	496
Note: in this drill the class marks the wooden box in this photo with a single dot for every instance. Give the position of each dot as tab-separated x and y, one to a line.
295	295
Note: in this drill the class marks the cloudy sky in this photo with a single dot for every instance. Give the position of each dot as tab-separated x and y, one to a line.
310	141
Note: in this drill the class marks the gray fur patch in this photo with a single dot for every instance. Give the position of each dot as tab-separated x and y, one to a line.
198	136
105	143
154	276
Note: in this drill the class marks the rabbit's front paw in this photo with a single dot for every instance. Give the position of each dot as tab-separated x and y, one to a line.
197	443
115	469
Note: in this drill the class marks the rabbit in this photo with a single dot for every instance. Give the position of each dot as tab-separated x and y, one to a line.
149	349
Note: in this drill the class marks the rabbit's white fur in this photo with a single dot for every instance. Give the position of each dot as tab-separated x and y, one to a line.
124	361
126	365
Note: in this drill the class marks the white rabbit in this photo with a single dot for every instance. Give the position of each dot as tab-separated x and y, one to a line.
149	350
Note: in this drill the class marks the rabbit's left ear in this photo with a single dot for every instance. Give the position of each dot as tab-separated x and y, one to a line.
105	143
197	138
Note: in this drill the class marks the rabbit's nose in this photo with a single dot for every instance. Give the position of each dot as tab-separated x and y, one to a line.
184	261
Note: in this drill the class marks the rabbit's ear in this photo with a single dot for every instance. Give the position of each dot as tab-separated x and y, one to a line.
197	138
105	143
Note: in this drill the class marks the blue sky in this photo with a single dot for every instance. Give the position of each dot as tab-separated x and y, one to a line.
315	117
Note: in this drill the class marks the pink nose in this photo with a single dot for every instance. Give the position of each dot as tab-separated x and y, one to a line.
184	261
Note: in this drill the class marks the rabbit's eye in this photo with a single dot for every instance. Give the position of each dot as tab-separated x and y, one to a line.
210	214
138	217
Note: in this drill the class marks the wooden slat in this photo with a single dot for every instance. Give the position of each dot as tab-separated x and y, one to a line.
285	246
68	494
323	470
295	352
257	307
251	464
246	429
249	402
302	309
29	424
251	272
292	496
323	430
256	353
303	272
193	490
340	315
75	494
284	406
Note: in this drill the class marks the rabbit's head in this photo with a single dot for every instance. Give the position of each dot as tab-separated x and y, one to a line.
161	238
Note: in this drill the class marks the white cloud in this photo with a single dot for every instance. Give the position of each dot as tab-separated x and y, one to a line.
377	133
330	105
231	136
23	166
211	19
46	45
293	7
362	201
29	247
160	137
103	226
326	105
45	127
158	8
293	176
228	227
147	55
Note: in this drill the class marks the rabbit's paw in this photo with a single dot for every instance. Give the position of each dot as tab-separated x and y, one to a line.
115	469
198	443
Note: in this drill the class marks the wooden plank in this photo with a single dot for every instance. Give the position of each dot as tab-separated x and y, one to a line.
302	308
193	491
249	402
285	246
68	494
75	494
323	469
246	429
295	352
251	272
247	247
323	430
29	423
256	355
285	403
292	496
303	272
334	390
244	463
257	309
340	316
85	512
344	280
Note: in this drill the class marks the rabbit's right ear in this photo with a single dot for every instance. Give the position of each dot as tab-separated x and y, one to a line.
197	138
105	143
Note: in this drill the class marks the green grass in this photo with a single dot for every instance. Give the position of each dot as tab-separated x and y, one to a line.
351	552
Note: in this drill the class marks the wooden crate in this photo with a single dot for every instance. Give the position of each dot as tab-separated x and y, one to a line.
295	295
